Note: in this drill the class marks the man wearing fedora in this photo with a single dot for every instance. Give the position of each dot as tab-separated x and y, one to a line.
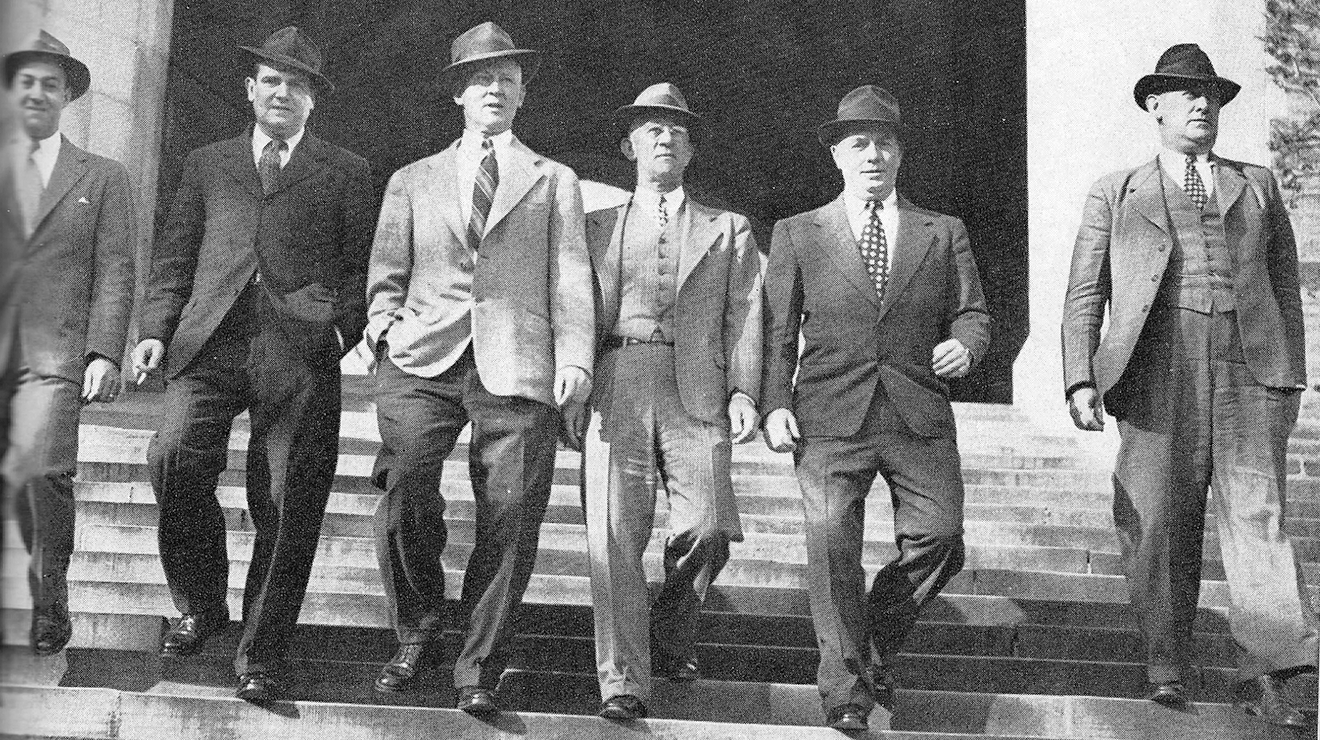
678	370
68	292
887	301
479	309
1202	365
256	292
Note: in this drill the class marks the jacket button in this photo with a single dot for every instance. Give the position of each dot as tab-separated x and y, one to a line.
1145	308
1160	248
1154	278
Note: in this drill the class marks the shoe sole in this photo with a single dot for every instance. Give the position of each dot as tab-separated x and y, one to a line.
389	689
849	725
620	715
481	711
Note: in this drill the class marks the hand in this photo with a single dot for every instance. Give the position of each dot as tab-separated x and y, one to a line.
100	381
575	416
571	384
1087	410
147	356
781	431
951	359
312	302
742	418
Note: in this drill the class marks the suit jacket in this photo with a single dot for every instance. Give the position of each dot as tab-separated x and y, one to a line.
70	292
314	228
1123	248
717	308
816	283
528	310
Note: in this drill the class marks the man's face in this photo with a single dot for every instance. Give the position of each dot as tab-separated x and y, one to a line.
38	94
1188	119
492	96
281	100
661	147
869	159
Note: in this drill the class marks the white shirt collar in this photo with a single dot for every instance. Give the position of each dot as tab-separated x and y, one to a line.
46	155
857	206
1175	166
260	140
470	144
649	199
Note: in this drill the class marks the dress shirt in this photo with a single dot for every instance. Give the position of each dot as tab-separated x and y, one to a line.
470	155
648	201
1175	166
47	153
858	216
260	140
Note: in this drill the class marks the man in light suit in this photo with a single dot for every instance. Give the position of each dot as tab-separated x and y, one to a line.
256	293
677	374
479	310
1202	365
68	291
888	302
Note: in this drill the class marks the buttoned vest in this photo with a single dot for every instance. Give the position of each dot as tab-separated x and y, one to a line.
1199	275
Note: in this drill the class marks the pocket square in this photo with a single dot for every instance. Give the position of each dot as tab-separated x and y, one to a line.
84	200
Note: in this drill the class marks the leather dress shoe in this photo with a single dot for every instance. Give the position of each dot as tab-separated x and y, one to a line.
51	630
848	717
675	667
188	634
1168	693
1266	697
478	702
258	687
397	674
623	707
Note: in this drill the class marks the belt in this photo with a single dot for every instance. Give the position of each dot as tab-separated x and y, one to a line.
614	341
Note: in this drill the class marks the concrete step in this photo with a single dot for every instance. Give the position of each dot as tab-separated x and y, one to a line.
203	684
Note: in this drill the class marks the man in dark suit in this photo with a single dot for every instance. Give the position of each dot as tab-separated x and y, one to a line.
888	302
479	310
1202	365
67	295
257	291
677	374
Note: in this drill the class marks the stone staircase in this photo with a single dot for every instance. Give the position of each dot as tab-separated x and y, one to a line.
1033	640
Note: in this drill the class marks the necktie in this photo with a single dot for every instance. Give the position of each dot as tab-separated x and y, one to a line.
30	187
875	248
662	215
483	194
269	165
1193	185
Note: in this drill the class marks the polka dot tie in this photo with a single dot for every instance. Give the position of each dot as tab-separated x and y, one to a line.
1193	185
875	248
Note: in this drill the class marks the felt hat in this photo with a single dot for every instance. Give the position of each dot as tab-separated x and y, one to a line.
1180	67
483	43
662	97
290	48
47	48
862	107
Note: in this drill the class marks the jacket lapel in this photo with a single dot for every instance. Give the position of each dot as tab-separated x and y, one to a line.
307	160
1146	194
517	176
441	190
1229	183
236	159
605	244
910	248
698	232
836	239
69	169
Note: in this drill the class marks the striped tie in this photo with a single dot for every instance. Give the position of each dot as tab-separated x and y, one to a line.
483	194
875	248
1193	185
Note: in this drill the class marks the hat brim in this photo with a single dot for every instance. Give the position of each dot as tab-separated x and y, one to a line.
528	59
1154	84
280	60
830	132
624	114
76	74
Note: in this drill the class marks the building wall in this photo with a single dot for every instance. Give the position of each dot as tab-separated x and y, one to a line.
1082	62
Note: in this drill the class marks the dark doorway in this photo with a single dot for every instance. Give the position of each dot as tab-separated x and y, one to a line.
763	73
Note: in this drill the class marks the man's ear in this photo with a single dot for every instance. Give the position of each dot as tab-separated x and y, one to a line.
251	89
626	146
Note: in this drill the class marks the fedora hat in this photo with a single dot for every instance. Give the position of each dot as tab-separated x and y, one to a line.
662	97
1179	67
290	48
867	105
482	43
47	48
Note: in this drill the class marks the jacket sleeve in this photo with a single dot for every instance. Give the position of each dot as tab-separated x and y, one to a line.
389	270
742	313
174	256
572	307
1282	267
358	214
969	320
1088	290
783	318
113	282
